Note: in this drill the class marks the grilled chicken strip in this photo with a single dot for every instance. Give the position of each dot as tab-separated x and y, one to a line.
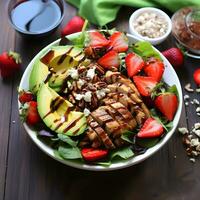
101	133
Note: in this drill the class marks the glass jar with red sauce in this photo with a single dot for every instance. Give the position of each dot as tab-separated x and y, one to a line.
186	28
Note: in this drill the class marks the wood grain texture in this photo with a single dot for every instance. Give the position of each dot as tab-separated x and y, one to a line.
32	175
6	42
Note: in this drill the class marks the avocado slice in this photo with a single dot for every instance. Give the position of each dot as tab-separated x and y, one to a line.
56	113
55	64
62	63
38	75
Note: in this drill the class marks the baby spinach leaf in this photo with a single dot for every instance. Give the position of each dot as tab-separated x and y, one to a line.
80	40
67	140
124	153
126	136
69	152
57	155
104	163
145	50
148	142
173	89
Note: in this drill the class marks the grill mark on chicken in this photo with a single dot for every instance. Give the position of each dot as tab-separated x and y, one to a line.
111	126
101	133
116	116
121	115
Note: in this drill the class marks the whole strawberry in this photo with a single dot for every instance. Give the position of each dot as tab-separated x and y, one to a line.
75	24
174	56
196	76
9	63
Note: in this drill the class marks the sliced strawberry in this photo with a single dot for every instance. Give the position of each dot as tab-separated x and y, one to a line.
196	76
144	84
32	115
151	128
167	104
96	39
109	60
134	64
118	42
154	69
25	97
91	154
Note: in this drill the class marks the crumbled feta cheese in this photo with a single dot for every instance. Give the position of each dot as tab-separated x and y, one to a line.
198	109
183	130
186	97
198	90
69	84
91	73
88	96
65	91
196	101
186	103
78	97
192	160
102	93
86	112
80	83
62	119
197	125
194	142
73	73
192	102
188	88
198	114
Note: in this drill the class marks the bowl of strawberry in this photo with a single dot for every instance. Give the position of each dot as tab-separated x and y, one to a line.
100	102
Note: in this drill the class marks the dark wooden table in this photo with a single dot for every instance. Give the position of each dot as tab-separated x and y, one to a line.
26	173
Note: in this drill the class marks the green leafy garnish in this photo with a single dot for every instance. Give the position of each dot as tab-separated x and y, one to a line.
104	163
80	40
163	121
148	142
158	89
145	50
173	89
123	153
69	152
67	140
126	136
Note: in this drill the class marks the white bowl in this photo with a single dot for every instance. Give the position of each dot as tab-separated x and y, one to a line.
153	41
170	77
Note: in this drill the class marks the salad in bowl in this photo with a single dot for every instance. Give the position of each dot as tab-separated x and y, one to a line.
96	100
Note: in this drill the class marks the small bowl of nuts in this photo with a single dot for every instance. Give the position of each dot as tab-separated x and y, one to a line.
150	24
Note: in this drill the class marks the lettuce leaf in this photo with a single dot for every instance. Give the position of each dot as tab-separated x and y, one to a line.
67	140
145	50
69	152
123	153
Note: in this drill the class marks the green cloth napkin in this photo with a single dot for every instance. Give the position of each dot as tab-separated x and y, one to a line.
101	12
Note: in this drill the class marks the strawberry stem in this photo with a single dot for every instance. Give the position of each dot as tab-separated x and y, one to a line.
15	56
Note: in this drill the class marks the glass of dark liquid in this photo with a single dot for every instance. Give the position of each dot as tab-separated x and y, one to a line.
35	17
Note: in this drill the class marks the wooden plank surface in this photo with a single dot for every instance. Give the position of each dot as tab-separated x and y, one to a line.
6	42
32	175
